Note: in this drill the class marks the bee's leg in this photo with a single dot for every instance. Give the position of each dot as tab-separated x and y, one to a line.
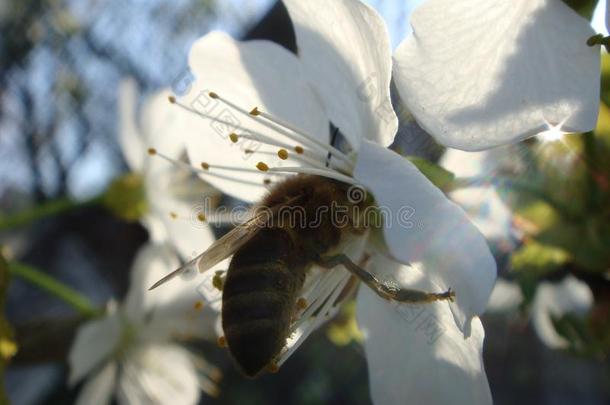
388	290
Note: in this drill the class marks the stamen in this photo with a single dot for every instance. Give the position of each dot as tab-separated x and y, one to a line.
234	138
222	342
262	166
205	167
198	306
301	304
282	127
263	139
317	172
282	154
273	368
329	148
323	310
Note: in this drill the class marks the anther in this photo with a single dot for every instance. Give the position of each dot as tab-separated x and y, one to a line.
234	138
267	182
198	305
172	99
205	166
173	215
222	342
302	303
218	281
152	151
201	217
299	150
213	95
282	154
262	166
273	368
255	112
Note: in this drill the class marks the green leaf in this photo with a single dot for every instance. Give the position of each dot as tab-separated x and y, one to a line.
8	347
439	176
537	259
583	7
605	67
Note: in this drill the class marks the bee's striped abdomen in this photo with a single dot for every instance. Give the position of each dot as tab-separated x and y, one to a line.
259	298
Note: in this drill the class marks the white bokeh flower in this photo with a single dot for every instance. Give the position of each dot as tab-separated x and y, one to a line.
554	300
173	195
131	353
255	101
481	200
478	74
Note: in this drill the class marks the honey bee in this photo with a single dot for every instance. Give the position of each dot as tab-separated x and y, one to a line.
272	258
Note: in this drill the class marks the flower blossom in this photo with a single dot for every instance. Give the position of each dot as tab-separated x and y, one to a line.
132	353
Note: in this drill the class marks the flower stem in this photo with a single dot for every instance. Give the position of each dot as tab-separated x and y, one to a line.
34	276
44	210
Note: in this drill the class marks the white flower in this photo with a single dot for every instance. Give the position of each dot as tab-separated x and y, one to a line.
479	73
131	352
552	301
608	15
505	297
342	75
173	195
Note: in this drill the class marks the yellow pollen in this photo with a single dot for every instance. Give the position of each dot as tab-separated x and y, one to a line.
173	215
172	99
213	95
201	217
152	151
273	368
282	154
198	305
262	166
222	342
205	166
234	138
218	280
299	149
255	112
301	303
248	151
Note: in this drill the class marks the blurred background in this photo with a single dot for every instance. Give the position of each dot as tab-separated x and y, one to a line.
61	63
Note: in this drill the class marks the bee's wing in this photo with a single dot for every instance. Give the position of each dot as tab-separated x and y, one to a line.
223	247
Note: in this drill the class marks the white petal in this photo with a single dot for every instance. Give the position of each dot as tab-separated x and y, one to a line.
94	342
505	297
99	389
174	309
130	139
483	204
250	74
478	74
422	225
159	374
553	300
345	48
152	262
608	15
416	354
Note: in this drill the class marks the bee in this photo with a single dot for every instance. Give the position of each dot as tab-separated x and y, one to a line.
272	255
